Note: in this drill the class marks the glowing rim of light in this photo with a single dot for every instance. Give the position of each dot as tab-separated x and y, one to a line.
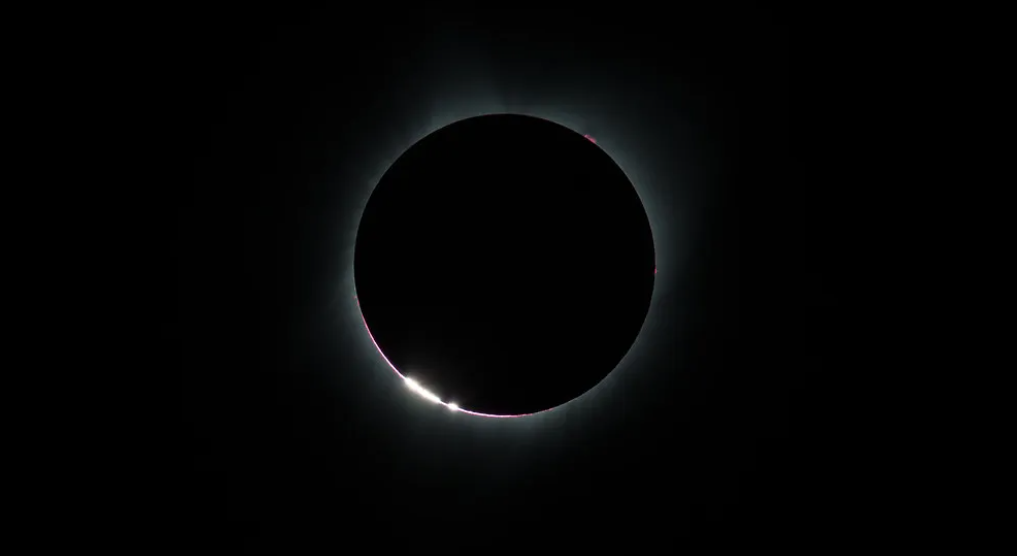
567	121
412	383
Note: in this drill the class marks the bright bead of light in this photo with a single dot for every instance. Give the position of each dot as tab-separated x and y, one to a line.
416	387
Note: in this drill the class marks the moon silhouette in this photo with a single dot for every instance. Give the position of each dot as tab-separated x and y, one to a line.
504	265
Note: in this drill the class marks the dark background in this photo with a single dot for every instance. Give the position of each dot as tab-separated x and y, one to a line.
295	438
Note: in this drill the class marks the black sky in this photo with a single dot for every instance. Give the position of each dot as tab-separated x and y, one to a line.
296	437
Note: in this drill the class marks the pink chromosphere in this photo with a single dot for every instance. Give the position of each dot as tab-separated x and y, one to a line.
590	137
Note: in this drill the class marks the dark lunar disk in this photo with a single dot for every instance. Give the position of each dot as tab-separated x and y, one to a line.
505	263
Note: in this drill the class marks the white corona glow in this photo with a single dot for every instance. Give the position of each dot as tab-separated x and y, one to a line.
631	136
